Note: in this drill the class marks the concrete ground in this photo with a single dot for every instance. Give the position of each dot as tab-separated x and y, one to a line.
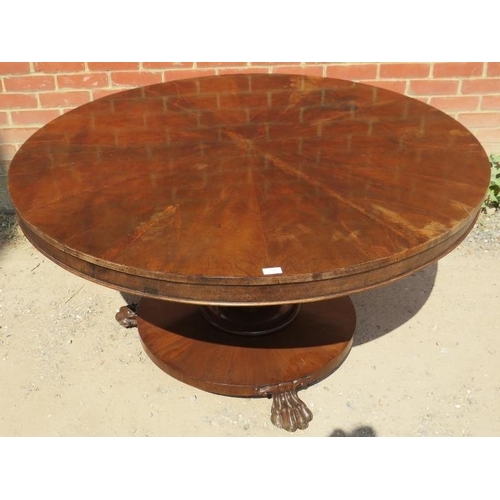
424	363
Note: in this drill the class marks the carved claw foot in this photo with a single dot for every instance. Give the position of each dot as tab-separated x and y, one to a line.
289	412
126	316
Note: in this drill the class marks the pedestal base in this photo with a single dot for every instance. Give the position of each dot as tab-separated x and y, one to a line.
251	320
182	343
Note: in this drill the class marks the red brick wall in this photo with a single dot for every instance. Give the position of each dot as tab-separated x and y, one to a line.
31	94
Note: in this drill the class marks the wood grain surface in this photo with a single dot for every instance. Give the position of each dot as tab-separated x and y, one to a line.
183	344
188	190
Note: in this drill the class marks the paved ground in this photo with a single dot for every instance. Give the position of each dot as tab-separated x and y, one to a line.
424	363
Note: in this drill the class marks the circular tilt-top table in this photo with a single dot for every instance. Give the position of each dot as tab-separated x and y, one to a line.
243	210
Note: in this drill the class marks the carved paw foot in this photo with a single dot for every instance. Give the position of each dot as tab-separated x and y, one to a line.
289	412
126	316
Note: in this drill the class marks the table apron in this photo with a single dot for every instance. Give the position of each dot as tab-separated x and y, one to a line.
241	295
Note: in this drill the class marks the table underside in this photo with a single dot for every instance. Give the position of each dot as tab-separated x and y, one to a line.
181	341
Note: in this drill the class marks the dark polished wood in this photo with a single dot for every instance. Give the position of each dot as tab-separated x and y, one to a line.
247	320
183	344
255	191
187	190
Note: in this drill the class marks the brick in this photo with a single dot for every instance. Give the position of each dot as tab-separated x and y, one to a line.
481	86
229	71
16	135
167	65
30	82
490	135
457	103
10	68
135	79
113	66
457	69
421	98
65	110
181	74
219	64
57	67
34	117
493	69
405	70
7	151
398	86
274	64
352	71
86	80
433	87
64	99
11	101
4	118
490	102
98	93
480	120
299	70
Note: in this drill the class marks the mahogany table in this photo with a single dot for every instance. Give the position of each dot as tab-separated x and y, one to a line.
244	209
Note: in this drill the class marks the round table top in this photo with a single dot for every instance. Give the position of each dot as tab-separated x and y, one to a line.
249	189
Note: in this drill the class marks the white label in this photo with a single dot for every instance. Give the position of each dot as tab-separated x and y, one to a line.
272	270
